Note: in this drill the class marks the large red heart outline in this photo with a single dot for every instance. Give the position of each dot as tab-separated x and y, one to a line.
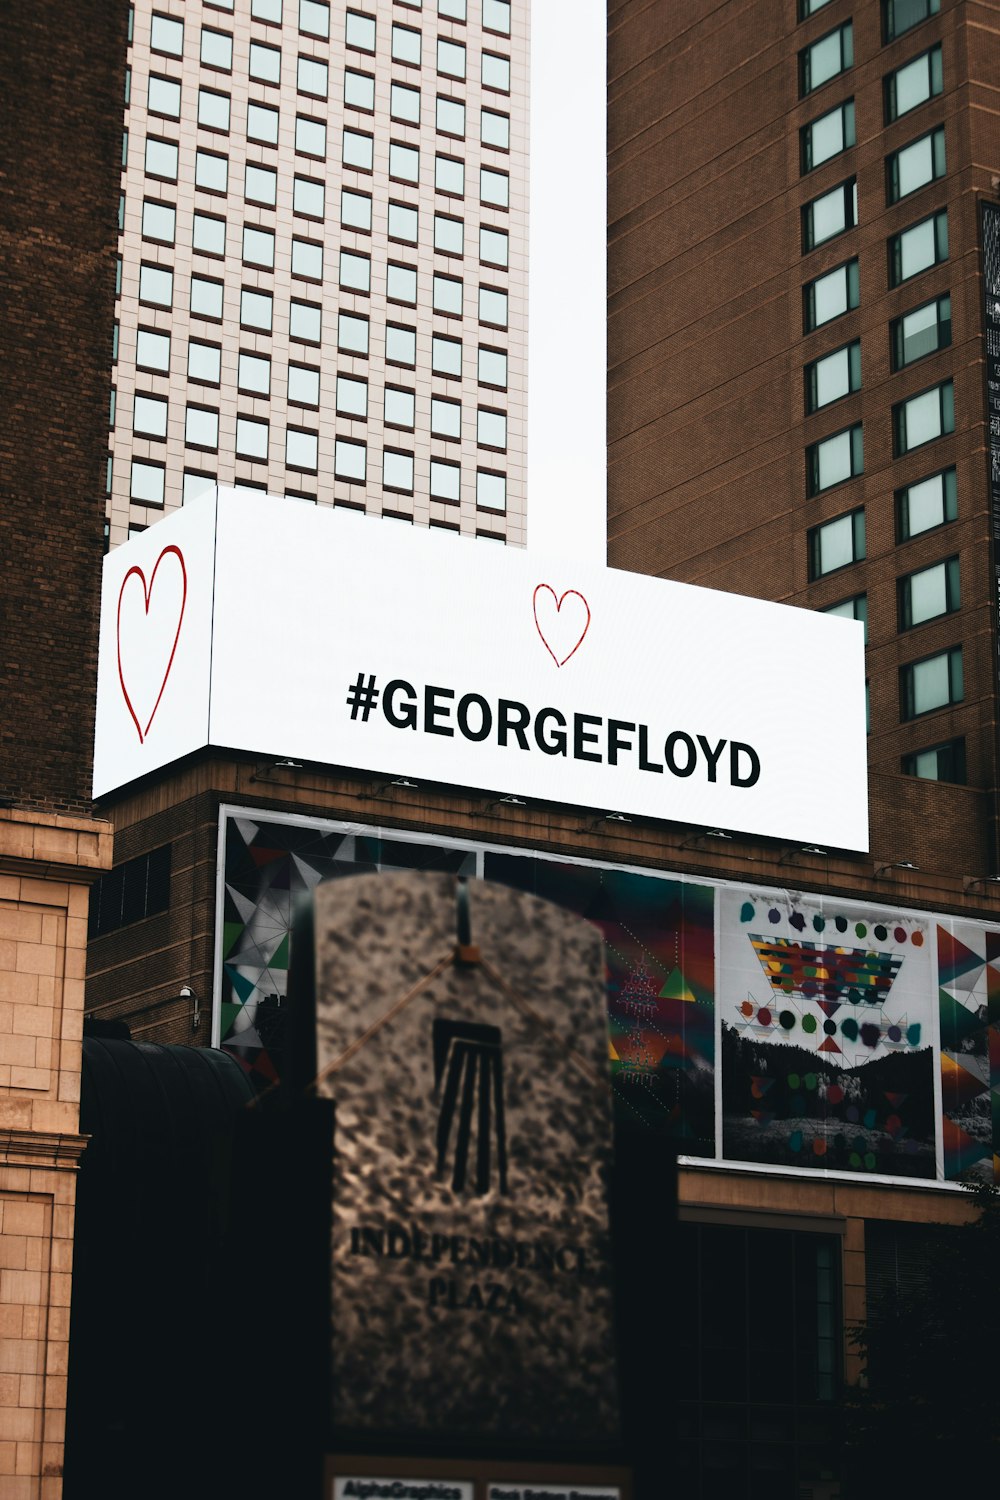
553	625
147	589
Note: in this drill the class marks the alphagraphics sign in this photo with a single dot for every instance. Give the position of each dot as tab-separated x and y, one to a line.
258	624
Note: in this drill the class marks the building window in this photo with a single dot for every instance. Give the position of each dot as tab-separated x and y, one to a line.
308	198
301	450
400	345
152	350
360	32
132	891
809	8
216	50
146	482
496	16
929	593
397	471
450	117
496	72
164	97
313	77
359	90
447	295
828	136
401	284
213	110
404	104
161	159
823	60
307	260
305	322
446	481
453	9
350	460
357	151
923	418
494	187
266	10
256	310
932	683
352	397
201	428
494	247
449	235
914	166
303	385
356	210
314	18
265	63
310	136
251	439
352	334
829	215
491	490
449	175
156	285
494	129
493	306
167	36
913	84
940	763
206	298
211	171
851	609
835	459
921	332
258	247
833	376
399	409
159	221
492	367
446	356
204	362
450	59
260	185
446	418
836	544
929	503
404	162
209	234
195	484
262	124
491	429
901	15
916	249
404	223
405	44
355	272
254	374
149	416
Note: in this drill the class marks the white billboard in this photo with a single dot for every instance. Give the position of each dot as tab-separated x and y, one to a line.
259	624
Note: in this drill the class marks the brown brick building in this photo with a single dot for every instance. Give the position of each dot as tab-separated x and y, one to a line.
64	74
766	332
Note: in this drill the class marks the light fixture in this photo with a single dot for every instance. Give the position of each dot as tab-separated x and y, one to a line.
262	770
505	802
790	854
969	882
895	864
708	833
187	993
609	817
400	782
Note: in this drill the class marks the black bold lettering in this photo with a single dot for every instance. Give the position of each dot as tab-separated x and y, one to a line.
712	756
645	764
555	743
433	710
512	718
406	717
485	717
753	775
581	737
615	741
676	738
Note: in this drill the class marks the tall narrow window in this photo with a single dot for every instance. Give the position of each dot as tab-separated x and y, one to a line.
824	59
833	376
835	459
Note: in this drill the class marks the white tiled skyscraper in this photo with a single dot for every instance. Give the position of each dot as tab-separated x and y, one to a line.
324	259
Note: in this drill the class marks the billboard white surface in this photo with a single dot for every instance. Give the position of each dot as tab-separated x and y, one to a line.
321	636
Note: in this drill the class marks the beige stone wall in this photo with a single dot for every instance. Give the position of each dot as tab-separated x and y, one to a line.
46	865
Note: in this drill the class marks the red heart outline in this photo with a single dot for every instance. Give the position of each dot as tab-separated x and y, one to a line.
547	588
147	594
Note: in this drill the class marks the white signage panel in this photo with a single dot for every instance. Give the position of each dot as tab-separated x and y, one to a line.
408	652
519	1491
371	1487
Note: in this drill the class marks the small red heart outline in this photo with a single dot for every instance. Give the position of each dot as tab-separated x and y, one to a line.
137	572
547	588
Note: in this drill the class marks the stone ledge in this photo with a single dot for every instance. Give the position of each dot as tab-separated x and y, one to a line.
34	1148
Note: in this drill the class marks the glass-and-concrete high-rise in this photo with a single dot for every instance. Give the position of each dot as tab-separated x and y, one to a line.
323	259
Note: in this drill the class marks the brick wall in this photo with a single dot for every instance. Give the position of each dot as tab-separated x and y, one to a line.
61	124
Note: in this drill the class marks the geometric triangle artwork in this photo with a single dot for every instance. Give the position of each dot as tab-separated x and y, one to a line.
969	1023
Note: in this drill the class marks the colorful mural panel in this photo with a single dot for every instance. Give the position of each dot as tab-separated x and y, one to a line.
826	1034
969	1019
659	949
